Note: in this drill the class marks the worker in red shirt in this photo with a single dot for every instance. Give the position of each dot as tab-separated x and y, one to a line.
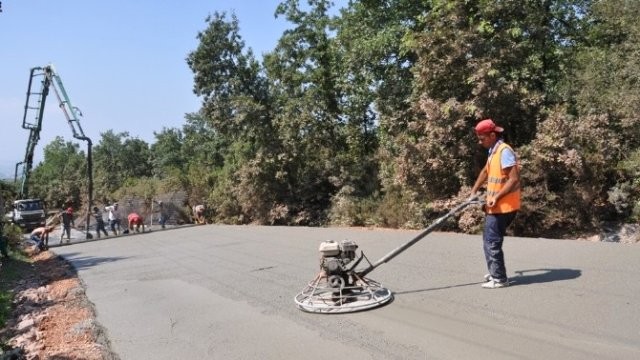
66	217
137	220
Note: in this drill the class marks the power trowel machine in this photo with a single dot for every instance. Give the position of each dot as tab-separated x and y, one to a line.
340	288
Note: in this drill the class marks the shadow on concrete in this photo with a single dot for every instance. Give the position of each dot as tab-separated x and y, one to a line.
537	276
85	262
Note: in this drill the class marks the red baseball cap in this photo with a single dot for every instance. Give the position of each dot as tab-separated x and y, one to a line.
487	126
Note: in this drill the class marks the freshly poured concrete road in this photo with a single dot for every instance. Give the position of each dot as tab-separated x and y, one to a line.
226	292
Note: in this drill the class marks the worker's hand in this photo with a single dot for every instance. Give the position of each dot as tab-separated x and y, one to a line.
491	201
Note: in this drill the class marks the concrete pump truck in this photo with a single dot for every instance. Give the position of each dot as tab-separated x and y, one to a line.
29	212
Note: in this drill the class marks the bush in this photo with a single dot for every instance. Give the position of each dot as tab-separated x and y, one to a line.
626	195
13	235
400	209
349	210
567	171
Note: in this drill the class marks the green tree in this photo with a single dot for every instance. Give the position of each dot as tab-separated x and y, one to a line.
228	80
204	153
61	176
7	194
234	122
480	59
201	143
376	81
303	72
605	78
584	160
167	154
116	158
373	110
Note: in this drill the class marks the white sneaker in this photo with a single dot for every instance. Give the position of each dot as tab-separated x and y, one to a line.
488	277
493	284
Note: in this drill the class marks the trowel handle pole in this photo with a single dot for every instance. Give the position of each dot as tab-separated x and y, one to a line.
426	232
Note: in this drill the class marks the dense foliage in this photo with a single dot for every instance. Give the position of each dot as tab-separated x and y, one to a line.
363	116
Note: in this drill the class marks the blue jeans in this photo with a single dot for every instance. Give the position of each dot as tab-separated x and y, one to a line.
66	228
36	239
115	224
495	227
100	227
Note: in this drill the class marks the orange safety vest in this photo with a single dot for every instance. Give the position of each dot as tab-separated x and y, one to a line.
496	180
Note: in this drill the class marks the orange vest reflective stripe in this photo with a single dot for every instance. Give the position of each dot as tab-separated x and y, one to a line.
496	180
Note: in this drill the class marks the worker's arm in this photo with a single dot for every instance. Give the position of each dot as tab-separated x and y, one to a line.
481	180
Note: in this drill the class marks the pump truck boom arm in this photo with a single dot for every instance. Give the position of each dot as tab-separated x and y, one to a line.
34	105
32	121
71	112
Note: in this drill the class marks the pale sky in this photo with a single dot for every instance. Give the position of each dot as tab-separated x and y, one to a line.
122	62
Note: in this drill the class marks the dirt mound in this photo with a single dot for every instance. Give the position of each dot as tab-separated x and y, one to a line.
52	317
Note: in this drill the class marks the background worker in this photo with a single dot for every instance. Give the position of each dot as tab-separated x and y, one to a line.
502	177
40	236
135	220
66	217
97	214
114	218
162	215
198	214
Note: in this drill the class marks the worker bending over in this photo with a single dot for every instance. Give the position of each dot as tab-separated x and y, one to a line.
198	214
135	220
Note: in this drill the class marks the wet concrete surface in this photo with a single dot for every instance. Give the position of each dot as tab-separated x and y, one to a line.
226	292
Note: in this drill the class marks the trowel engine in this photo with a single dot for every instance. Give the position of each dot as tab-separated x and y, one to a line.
337	261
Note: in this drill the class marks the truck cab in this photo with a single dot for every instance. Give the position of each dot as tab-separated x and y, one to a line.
28	213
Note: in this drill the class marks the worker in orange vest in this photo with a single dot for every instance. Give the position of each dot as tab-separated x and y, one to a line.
502	178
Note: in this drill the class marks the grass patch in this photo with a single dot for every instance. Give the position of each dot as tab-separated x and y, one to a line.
11	272
5	307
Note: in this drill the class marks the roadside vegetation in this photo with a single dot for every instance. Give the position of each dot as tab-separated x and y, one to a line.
364	117
11	270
